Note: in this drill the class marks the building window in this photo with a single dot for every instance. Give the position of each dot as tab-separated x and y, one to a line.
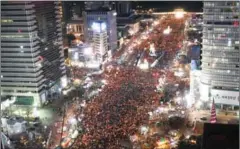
8	91
6	21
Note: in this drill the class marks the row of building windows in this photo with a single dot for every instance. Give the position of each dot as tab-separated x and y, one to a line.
21	56
225	42
220	10
220	60
20	51
220	78
24	76
18	21
16	47
19	9
19	30
22	62
220	29
219	71
23	86
221	3
220	17
27	71
19	81
220	54
14	36
6	21
220	47
221	23
222	35
219	65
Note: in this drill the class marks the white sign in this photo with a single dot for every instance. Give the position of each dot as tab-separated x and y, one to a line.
225	97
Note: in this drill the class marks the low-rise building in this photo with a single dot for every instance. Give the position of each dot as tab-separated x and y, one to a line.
75	27
128	25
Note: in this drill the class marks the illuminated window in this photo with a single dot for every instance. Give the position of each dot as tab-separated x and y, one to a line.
6	21
12	36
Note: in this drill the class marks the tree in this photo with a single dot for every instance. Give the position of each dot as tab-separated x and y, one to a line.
70	38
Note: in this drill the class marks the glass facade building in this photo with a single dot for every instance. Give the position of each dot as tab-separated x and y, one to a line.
220	52
107	16
32	64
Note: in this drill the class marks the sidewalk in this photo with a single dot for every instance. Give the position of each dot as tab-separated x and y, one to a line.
49	113
69	113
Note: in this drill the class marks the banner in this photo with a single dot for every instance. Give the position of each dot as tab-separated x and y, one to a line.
225	97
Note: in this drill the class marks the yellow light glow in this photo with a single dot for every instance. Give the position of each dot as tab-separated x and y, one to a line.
179	13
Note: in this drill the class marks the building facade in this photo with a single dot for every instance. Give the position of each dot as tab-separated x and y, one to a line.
100	45
123	8
76	28
108	16
220	53
95	5
32	64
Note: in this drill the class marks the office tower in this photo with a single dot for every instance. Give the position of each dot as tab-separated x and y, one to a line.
71	8
32	65
123	8
220	53
100	45
95	5
105	15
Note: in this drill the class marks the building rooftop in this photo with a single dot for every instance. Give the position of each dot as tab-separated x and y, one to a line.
121	21
80	21
220	136
102	9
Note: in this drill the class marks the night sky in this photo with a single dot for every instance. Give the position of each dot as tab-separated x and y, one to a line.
195	6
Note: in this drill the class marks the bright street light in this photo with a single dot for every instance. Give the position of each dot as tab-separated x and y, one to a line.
88	51
179	13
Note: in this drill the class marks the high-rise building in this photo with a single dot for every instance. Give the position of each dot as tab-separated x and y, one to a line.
105	15
95	5
123	8
100	45
220	53
71	8
32	64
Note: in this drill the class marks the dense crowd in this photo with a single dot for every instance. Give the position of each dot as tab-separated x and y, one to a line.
168	43
119	110
79	72
129	94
